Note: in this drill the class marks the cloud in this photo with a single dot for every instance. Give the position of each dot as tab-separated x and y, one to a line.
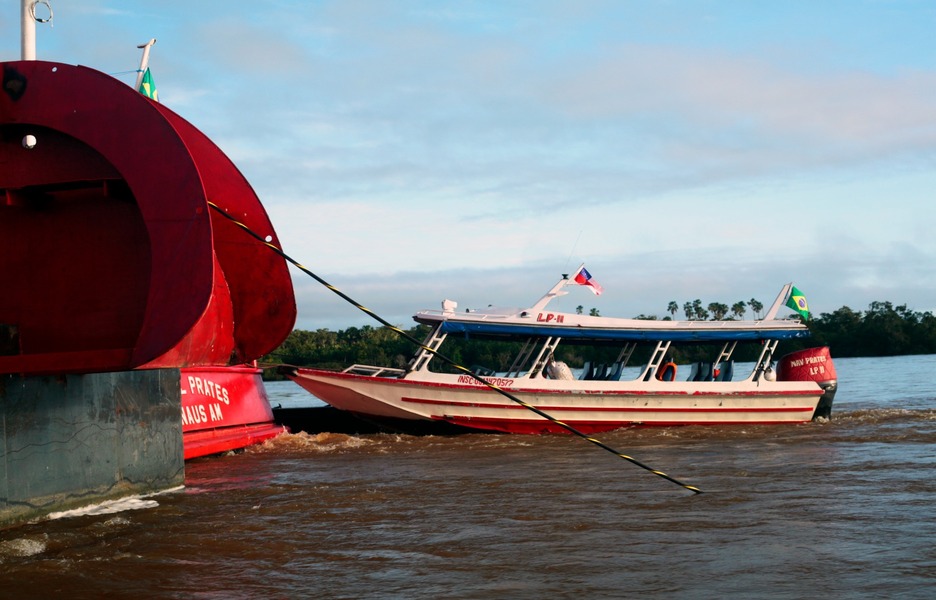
475	150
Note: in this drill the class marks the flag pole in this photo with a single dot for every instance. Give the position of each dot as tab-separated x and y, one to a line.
144	62
28	32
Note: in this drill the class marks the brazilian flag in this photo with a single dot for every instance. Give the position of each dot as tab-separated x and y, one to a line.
798	303
148	86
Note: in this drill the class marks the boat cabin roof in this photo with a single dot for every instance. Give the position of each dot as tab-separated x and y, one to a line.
641	330
537	321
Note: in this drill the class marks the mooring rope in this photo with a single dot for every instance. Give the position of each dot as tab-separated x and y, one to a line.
268	243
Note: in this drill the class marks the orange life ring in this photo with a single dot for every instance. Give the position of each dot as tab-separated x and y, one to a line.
667	372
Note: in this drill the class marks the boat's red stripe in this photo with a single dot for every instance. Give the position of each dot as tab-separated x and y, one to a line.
313	374
536	427
640	409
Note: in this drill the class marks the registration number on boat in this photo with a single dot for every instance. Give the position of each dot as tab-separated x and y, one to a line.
498	381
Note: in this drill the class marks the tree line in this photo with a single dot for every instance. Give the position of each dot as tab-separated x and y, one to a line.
882	330
694	310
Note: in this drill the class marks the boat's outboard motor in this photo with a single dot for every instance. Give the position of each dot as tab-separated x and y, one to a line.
824	408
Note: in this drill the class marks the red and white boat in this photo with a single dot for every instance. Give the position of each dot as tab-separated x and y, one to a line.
602	397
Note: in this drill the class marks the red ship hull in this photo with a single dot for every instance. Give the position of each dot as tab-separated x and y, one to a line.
224	408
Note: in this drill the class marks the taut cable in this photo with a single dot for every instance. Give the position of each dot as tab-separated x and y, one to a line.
449	361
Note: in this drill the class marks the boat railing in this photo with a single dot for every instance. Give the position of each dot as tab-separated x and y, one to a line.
374	371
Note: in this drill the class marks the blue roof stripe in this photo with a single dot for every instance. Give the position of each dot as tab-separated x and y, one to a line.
696	335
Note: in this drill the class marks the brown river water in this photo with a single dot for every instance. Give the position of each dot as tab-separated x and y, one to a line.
842	509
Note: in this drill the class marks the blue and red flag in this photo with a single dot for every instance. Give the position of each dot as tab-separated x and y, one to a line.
583	277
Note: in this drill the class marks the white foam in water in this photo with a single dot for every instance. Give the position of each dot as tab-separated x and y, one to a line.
22	547
107	507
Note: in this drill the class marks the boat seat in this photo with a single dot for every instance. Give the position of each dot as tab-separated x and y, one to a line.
701	371
614	373
601	372
693	371
586	370
727	370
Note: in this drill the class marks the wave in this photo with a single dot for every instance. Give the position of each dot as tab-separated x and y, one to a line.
109	507
22	547
869	424
314	442
885	415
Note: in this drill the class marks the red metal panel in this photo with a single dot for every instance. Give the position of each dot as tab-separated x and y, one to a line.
138	263
258	279
215	441
110	257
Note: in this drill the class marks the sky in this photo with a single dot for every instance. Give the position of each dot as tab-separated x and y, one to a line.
409	152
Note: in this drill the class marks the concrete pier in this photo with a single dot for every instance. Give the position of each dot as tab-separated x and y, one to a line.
73	440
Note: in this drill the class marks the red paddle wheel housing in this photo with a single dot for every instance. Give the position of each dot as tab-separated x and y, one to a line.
112	258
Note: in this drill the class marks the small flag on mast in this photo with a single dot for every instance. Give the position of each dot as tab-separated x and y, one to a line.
148	86
583	277
798	303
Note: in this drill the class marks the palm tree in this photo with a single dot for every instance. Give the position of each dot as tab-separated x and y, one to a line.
687	308
718	310
756	307
737	309
700	313
673	308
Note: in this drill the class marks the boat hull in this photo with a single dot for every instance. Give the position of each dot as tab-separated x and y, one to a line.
588	406
224	408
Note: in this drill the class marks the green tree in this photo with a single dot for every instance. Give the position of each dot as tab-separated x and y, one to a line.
718	310
700	313
756	307
883	329
672	308
835	330
737	309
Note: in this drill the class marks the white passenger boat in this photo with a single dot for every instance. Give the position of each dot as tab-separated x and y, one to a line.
655	392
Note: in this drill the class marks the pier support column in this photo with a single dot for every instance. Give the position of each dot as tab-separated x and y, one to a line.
73	440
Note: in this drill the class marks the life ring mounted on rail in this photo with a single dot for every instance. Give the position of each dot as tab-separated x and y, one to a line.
666	372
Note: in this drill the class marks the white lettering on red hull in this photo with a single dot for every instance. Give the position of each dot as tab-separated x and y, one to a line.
193	415
206	387
197	414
